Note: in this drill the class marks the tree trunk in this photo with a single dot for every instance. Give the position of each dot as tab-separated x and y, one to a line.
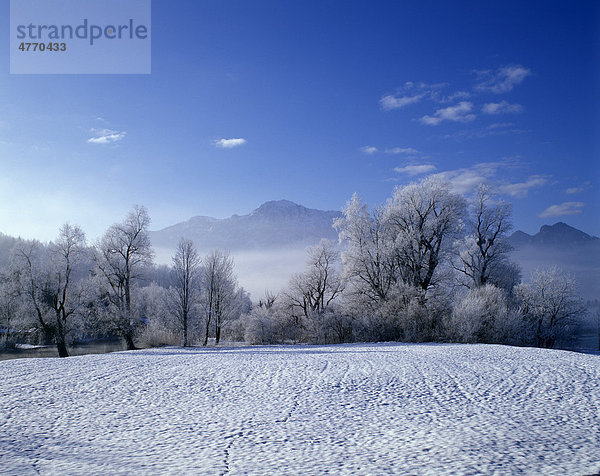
129	341
7	336
61	346
61	343
206	335
217	334
185	329
47	335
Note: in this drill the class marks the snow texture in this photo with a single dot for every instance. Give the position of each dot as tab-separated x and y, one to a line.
360	409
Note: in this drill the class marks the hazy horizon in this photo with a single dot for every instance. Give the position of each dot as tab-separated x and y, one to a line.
49	235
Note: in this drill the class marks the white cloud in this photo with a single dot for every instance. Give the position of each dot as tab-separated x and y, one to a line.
402	151
393	102
368	149
566	208
502	107
229	143
582	188
503	79
520	189
465	180
455	96
413	170
457	113
500	125
105	136
411	93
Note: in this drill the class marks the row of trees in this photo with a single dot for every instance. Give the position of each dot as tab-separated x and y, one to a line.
427	265
66	290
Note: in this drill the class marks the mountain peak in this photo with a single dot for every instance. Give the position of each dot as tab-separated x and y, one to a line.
273	225
558	234
561	233
278	205
279	208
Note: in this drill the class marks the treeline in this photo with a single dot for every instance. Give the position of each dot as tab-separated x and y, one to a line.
65	291
426	266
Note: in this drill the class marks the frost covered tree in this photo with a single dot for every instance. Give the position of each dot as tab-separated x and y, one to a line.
483	315
319	285
10	304
123	254
551	305
483	253
368	263
262	326
404	242
48	279
309	303
29	265
65	295
185	278
423	218
395	255
219	293
160	326
268	300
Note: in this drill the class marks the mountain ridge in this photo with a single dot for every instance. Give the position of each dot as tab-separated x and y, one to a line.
273	224
558	234
285	213
271	240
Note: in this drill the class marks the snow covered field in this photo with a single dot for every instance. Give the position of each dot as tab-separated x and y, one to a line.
364	409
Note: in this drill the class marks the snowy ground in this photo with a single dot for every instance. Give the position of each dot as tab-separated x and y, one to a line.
364	409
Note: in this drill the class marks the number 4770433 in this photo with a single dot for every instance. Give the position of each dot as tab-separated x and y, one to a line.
43	47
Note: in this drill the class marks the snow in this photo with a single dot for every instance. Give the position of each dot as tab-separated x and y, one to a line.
362	408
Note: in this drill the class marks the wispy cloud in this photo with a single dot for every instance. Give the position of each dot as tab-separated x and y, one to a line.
465	180
413	92
390	102
500	125
452	97
458	113
105	136
582	188
503	79
368	149
502	107
229	143
566	208
521	189
413	170
402	151
495	129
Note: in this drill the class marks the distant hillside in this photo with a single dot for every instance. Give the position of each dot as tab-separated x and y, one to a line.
6	244
574	251
273	225
559	234
269	245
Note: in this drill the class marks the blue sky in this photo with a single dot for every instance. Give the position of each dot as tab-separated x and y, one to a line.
326	99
